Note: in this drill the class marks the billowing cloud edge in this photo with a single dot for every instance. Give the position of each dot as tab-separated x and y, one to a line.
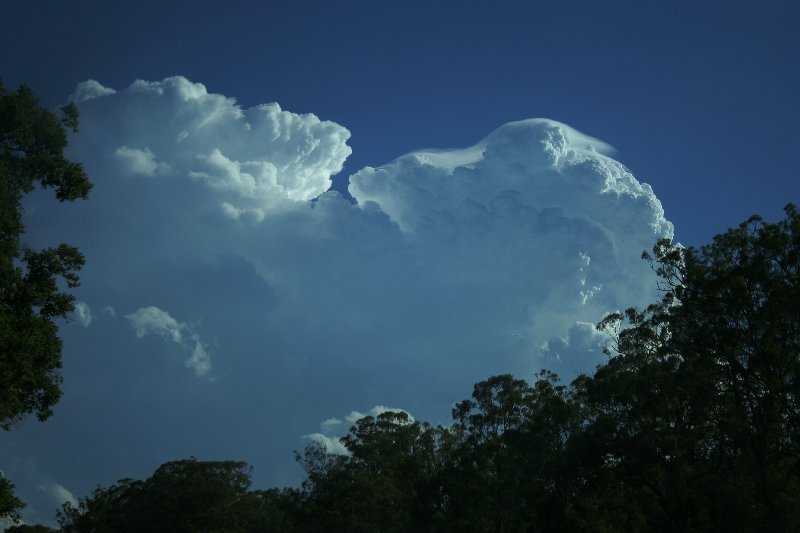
254	160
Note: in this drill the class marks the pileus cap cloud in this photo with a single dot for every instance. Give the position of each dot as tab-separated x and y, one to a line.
548	163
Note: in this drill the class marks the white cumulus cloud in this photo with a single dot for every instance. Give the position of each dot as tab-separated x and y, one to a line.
330	425
581	341
535	219
256	159
86	90
135	161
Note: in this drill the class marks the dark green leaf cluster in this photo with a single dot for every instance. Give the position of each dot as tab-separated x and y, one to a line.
9	503
188	495
32	142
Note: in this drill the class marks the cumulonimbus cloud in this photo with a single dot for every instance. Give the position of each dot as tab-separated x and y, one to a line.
480	259
450	266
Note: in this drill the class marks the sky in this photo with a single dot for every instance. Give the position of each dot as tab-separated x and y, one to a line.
308	211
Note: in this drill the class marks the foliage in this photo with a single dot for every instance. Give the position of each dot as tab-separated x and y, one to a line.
696	413
25	528
187	495
10	505
32	142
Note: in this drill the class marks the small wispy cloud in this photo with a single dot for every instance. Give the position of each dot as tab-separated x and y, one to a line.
84	313
333	445
152	320
59	493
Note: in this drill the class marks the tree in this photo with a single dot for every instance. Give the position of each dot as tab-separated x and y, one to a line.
9	503
181	496
510	470
32	142
377	486
26	528
696	417
738	322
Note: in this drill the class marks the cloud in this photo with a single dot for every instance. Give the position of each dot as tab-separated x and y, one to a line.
154	321
581	342
86	90
542	164
449	267
135	161
330	425
333	431
333	445
33	485
84	313
535	222
59	494
148	320
253	159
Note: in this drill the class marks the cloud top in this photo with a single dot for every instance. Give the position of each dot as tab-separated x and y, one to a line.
535	223
546	163
255	159
86	90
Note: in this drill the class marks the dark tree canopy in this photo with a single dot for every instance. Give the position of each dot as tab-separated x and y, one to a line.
188	495
32	142
9	503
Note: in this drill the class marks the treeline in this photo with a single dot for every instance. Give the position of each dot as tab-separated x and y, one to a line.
693	424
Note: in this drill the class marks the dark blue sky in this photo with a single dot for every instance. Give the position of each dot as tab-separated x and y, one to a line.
699	98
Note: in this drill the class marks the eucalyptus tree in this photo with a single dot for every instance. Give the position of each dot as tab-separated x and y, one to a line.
32	142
